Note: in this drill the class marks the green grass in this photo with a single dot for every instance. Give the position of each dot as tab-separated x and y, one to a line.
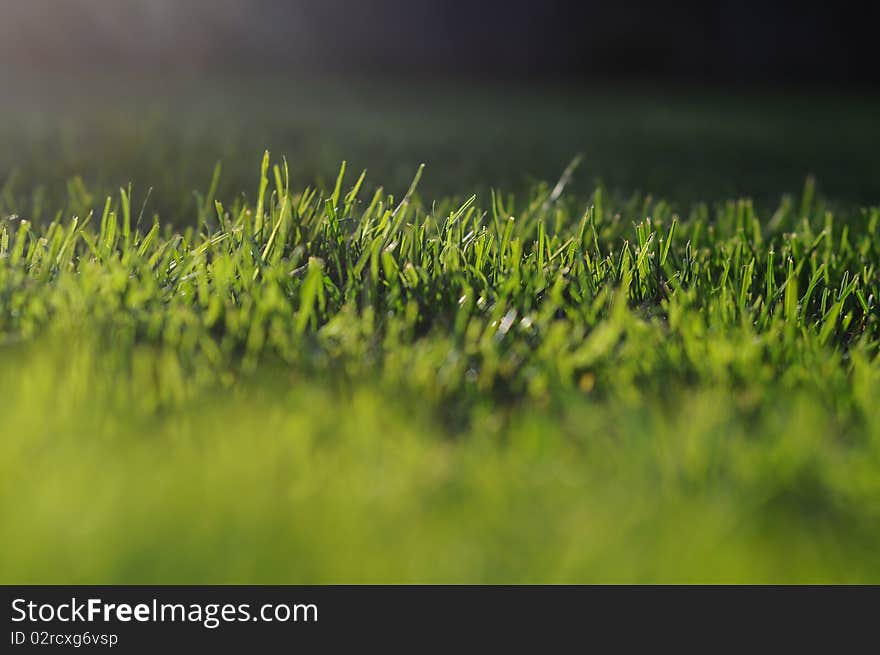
331	384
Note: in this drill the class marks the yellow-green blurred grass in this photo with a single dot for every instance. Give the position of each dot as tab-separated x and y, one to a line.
274	481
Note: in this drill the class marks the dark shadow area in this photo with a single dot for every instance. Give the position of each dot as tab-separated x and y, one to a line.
692	102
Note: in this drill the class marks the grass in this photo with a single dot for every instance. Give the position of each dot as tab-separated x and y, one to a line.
333	384
682	145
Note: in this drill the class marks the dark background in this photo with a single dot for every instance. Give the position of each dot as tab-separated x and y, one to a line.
731	41
688	101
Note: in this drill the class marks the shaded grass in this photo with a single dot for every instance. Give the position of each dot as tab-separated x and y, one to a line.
682	145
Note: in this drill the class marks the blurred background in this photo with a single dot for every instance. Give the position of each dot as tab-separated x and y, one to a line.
693	101
728	40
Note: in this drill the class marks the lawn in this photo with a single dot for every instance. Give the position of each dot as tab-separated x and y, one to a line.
295	375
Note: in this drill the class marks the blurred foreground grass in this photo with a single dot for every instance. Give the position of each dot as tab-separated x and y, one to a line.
286	481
